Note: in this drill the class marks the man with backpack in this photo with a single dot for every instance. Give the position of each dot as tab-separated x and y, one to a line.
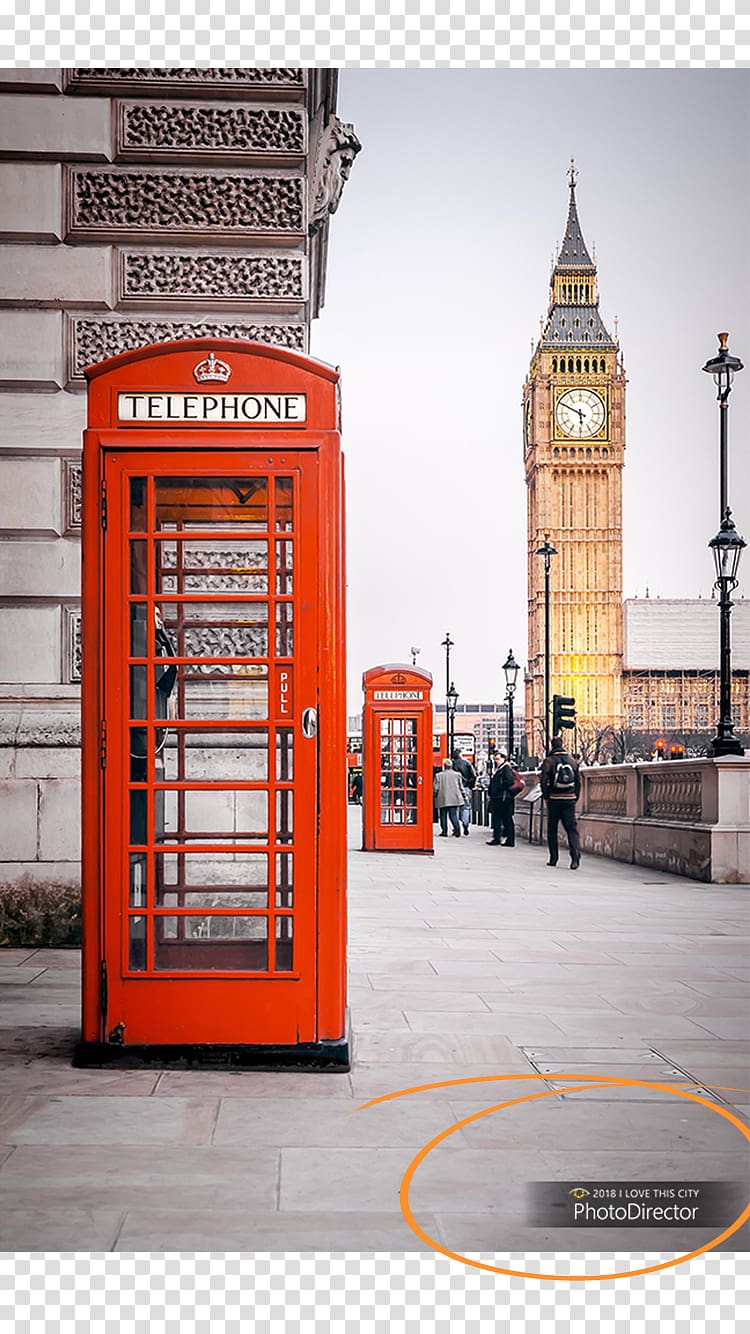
560	781
469	777
503	791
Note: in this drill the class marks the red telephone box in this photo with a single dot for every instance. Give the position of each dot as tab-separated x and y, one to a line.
214	714
397	760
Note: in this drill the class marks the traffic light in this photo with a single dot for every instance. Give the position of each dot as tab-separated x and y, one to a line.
677	752
659	749
563	713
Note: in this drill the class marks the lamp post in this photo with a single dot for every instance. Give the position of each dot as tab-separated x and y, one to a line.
511	669
447	644
547	552
414	652
727	547
452	698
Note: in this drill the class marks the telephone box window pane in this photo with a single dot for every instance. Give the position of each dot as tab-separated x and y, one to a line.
139	755
212	567
284	754
284	950
138	637
204	942
284	569
212	502
136	944
138	566
137	880
218	629
195	756
284	630
138	513
284	499
234	697
284	816
204	812
216	874
138	682
284	879
138	810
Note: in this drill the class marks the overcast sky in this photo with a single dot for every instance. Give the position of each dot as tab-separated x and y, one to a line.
438	274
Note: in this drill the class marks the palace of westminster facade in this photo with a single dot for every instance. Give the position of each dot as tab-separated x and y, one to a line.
639	668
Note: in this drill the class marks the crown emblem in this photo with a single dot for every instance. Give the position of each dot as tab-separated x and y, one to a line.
399	679
212	371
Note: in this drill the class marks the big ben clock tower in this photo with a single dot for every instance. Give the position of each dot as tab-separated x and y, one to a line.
574	442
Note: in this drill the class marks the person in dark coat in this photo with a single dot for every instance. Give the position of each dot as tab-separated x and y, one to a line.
502	804
466	770
560	781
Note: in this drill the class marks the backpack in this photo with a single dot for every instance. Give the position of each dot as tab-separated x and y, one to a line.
519	784
563	777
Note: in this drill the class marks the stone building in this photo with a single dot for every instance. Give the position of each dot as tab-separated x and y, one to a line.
644	666
136	206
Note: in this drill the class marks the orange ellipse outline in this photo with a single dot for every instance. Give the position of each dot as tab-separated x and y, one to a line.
604	1082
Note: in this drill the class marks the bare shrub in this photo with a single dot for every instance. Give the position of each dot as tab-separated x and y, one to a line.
35	913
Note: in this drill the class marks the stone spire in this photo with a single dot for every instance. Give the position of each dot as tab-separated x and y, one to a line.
573	318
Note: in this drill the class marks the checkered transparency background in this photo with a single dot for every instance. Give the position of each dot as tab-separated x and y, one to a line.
364	1292
376	33
357	1294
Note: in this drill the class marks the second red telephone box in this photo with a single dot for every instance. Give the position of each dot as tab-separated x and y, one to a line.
397	759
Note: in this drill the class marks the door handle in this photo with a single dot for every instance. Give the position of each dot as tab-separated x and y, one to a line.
309	722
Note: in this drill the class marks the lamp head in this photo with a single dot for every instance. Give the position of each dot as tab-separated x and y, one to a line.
727	546
723	366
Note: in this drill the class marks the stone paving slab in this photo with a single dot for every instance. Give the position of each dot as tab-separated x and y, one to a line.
464	965
249	1230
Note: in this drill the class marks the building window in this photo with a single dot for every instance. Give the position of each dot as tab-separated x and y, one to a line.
635	719
669	715
701	716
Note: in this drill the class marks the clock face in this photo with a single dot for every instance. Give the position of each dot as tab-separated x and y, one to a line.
580	413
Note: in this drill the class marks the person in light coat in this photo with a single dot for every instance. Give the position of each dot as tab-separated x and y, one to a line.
450	794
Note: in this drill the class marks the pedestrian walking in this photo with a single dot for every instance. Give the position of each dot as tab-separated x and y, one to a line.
502	804
357	789
560	781
450	794
468	774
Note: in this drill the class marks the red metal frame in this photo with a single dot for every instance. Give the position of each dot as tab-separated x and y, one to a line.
221	1005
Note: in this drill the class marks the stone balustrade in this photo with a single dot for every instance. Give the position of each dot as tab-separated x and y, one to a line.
691	817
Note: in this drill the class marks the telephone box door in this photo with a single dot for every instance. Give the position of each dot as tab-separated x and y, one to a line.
210	786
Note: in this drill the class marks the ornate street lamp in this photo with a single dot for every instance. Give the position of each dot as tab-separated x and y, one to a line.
723	368
511	669
727	547
547	552
414	654
452	698
447	644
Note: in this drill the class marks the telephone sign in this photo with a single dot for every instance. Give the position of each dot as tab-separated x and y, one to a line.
214	819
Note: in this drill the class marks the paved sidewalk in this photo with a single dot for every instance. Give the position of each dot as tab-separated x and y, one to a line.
478	961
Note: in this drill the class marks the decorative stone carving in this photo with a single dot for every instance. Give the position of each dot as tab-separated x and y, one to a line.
235	131
215	571
176	80
122	202
220	277
673	796
607	794
337	148
237	641
93	340
72	478
71	672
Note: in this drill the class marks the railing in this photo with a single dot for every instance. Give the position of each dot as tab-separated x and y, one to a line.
691	817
